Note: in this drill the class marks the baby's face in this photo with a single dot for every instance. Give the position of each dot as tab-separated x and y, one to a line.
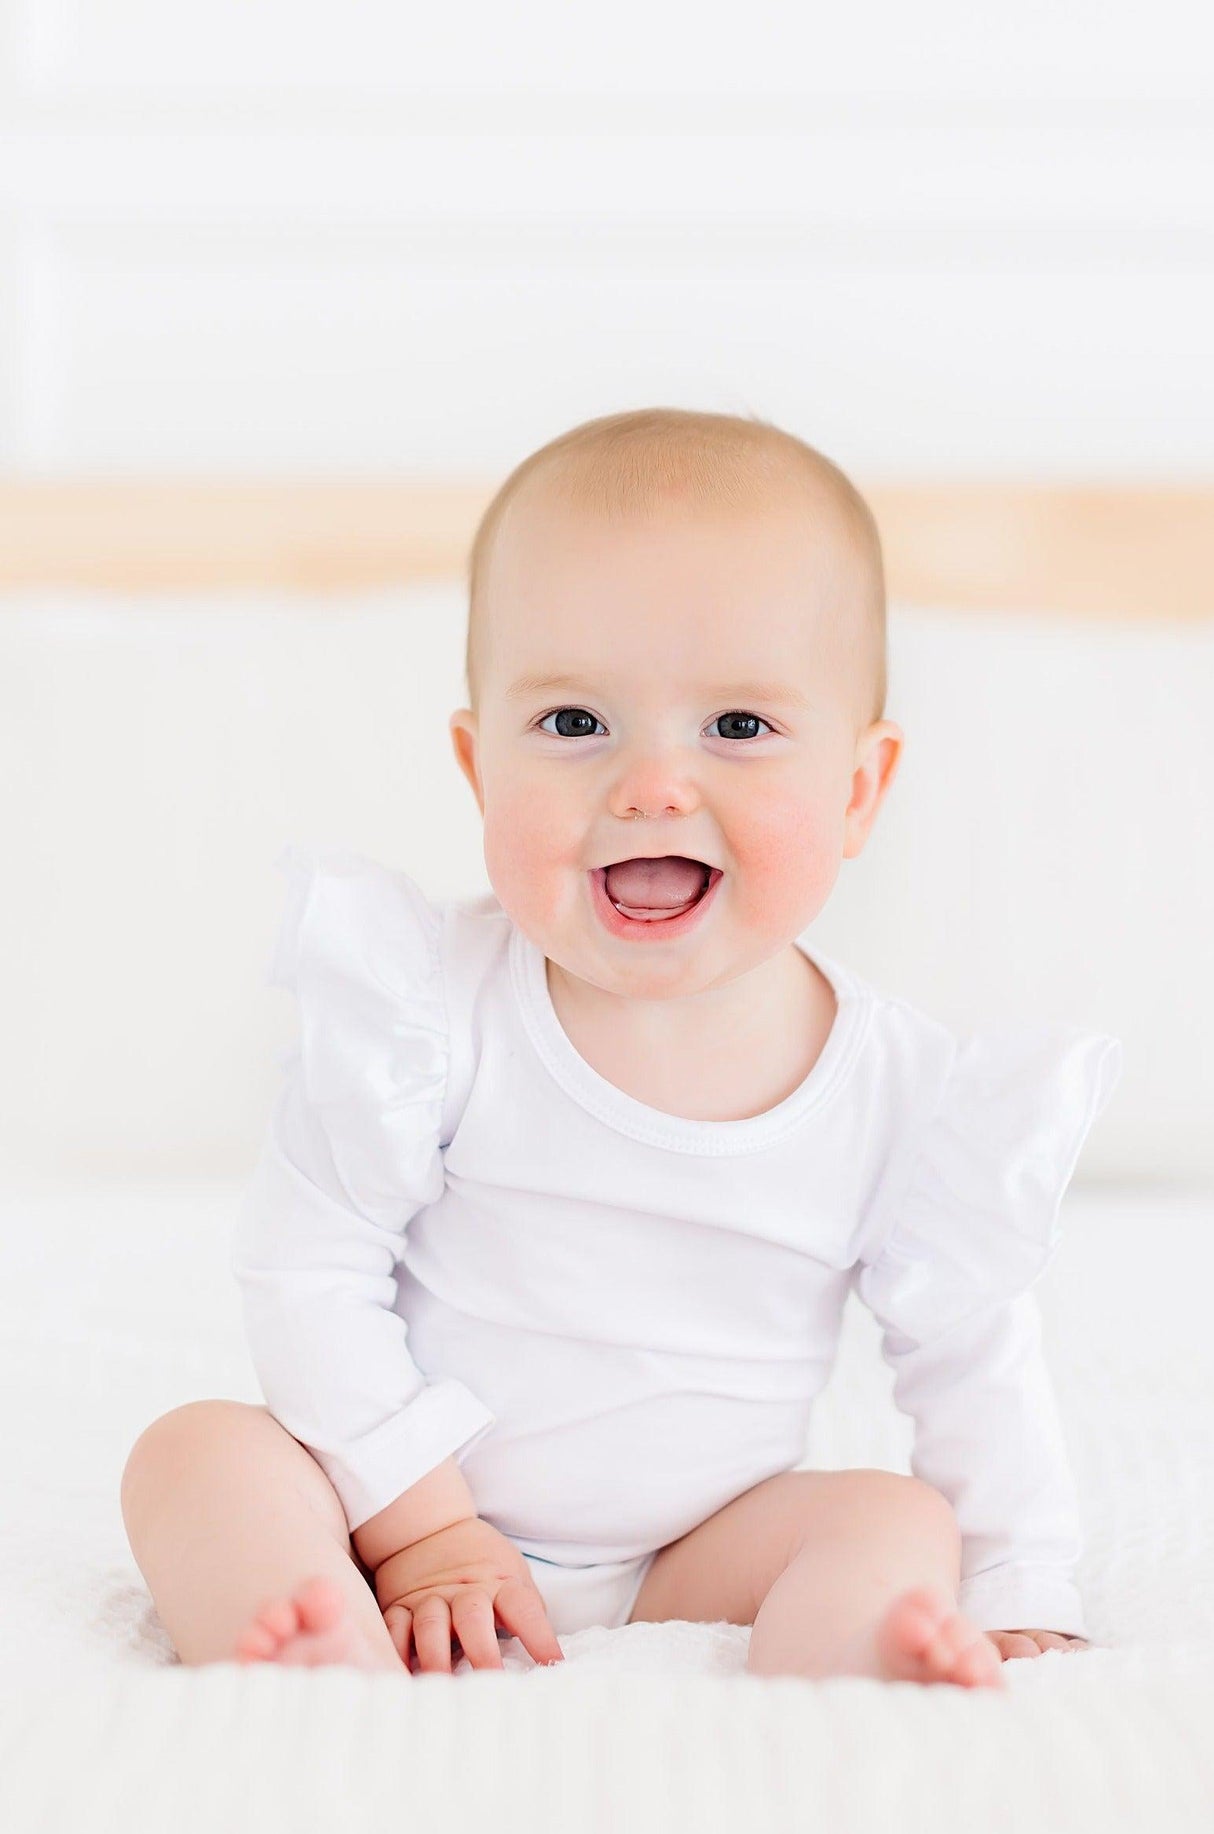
710	688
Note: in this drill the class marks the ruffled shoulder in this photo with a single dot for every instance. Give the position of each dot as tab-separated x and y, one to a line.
359	946
977	1219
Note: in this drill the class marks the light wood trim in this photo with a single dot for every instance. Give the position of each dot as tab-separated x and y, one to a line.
1094	550
1087	551
307	534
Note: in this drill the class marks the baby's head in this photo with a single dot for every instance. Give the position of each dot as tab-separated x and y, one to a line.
709	592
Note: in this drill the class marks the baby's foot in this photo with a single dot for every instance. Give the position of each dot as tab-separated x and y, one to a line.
311	1628
923	1637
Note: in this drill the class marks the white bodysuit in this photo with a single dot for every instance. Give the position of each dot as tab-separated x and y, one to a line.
461	1239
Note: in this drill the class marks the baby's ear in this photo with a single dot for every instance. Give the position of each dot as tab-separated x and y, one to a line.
878	754
462	726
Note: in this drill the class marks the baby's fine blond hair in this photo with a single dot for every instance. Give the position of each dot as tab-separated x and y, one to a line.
622	463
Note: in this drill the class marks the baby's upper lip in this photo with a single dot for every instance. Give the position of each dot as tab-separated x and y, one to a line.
667	853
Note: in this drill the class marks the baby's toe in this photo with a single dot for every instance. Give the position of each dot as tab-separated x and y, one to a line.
918	1615
926	1627
954	1637
923	1637
280	1618
257	1644
908	1631
979	1665
320	1604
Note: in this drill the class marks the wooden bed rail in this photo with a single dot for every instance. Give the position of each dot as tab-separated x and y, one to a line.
1117	551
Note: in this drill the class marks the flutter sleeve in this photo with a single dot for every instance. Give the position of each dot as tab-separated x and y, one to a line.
352	1153
949	1281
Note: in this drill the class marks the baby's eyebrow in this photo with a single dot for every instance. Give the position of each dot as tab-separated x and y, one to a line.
536	684
782	691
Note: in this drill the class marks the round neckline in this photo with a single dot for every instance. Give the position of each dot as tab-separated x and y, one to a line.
653	1126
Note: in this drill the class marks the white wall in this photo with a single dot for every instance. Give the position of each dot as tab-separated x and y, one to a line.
940	237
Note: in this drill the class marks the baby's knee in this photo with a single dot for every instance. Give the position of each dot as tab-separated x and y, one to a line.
929	1506
918	1507
907	1503
176	1441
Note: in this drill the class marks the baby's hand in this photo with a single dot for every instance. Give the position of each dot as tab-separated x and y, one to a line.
1011	1643
452	1583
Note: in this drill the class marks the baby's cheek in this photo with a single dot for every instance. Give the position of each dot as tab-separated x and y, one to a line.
787	855
523	854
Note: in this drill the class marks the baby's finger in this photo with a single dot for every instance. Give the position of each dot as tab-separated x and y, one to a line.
399	1620
1013	1643
522	1611
472	1622
432	1633
1051	1639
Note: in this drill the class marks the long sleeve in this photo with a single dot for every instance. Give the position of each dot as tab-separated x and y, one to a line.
949	1282
352	1153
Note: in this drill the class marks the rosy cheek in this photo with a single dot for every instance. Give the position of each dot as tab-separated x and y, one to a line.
785	855
522	857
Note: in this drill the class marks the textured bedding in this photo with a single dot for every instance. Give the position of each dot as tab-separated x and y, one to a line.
116	1304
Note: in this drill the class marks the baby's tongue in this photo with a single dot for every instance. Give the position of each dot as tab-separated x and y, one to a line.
641	887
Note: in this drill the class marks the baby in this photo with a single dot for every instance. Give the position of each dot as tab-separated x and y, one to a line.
544	1260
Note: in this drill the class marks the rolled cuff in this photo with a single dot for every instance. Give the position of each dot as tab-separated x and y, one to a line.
371	1472
1023	1598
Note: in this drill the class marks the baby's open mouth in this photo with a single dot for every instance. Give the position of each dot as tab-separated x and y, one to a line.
651	890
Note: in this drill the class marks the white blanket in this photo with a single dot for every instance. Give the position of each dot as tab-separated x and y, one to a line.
115	1305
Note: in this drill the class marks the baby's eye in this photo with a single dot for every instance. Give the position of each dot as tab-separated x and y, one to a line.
576	718
577	724
740	719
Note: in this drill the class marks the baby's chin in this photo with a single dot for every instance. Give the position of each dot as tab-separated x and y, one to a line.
683	971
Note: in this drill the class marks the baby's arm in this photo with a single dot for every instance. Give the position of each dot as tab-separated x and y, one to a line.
988	1437
435	1502
442	1573
354	1151
317	1277
966	1227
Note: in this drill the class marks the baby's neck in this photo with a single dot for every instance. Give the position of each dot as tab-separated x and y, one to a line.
729	1062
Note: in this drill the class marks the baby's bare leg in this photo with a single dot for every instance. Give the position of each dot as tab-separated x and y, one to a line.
229	1517
840	1573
